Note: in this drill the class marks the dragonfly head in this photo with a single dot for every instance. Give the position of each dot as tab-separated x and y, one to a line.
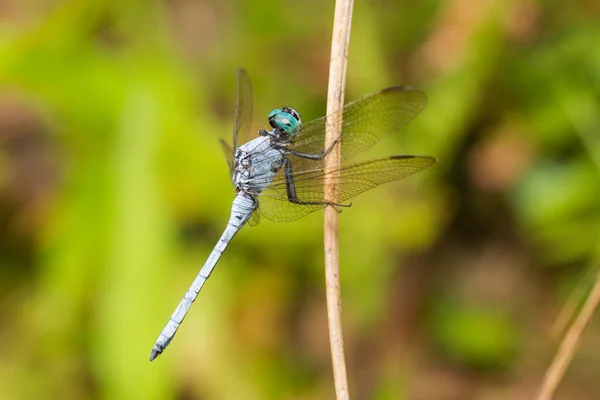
285	119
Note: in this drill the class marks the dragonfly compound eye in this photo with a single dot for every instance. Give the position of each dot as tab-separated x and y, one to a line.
272	115
293	112
286	120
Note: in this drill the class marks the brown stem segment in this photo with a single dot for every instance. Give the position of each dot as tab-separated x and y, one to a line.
335	101
569	344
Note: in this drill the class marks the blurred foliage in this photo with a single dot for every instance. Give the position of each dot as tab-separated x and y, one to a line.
113	190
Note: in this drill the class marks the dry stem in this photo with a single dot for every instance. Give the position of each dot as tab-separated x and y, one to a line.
568	346
335	101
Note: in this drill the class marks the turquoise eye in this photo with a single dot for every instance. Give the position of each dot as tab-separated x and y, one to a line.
286	119
274	112
287	123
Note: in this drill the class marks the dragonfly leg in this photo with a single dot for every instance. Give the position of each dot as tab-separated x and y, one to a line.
317	157
291	189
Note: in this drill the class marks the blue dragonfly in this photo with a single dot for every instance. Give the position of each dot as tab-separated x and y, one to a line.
281	173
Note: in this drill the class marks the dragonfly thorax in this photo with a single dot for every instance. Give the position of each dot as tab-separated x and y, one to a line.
285	120
256	164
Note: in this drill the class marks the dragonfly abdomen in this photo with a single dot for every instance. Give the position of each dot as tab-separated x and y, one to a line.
241	210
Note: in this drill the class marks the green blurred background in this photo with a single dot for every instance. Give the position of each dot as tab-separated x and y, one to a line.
113	190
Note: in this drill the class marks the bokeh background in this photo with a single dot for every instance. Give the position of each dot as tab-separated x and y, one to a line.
113	190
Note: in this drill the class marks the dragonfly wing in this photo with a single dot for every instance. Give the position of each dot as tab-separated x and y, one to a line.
254	219
227	150
365	121
242	119
351	180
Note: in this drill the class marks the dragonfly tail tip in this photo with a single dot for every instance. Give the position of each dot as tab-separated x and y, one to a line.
155	353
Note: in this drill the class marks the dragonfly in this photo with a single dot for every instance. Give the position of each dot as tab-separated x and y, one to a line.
281	174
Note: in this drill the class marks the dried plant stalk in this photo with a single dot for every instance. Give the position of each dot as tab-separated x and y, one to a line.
569	344
335	101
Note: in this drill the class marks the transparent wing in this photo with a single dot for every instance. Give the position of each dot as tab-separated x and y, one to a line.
365	121
242	119
254	219
352	180
228	151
